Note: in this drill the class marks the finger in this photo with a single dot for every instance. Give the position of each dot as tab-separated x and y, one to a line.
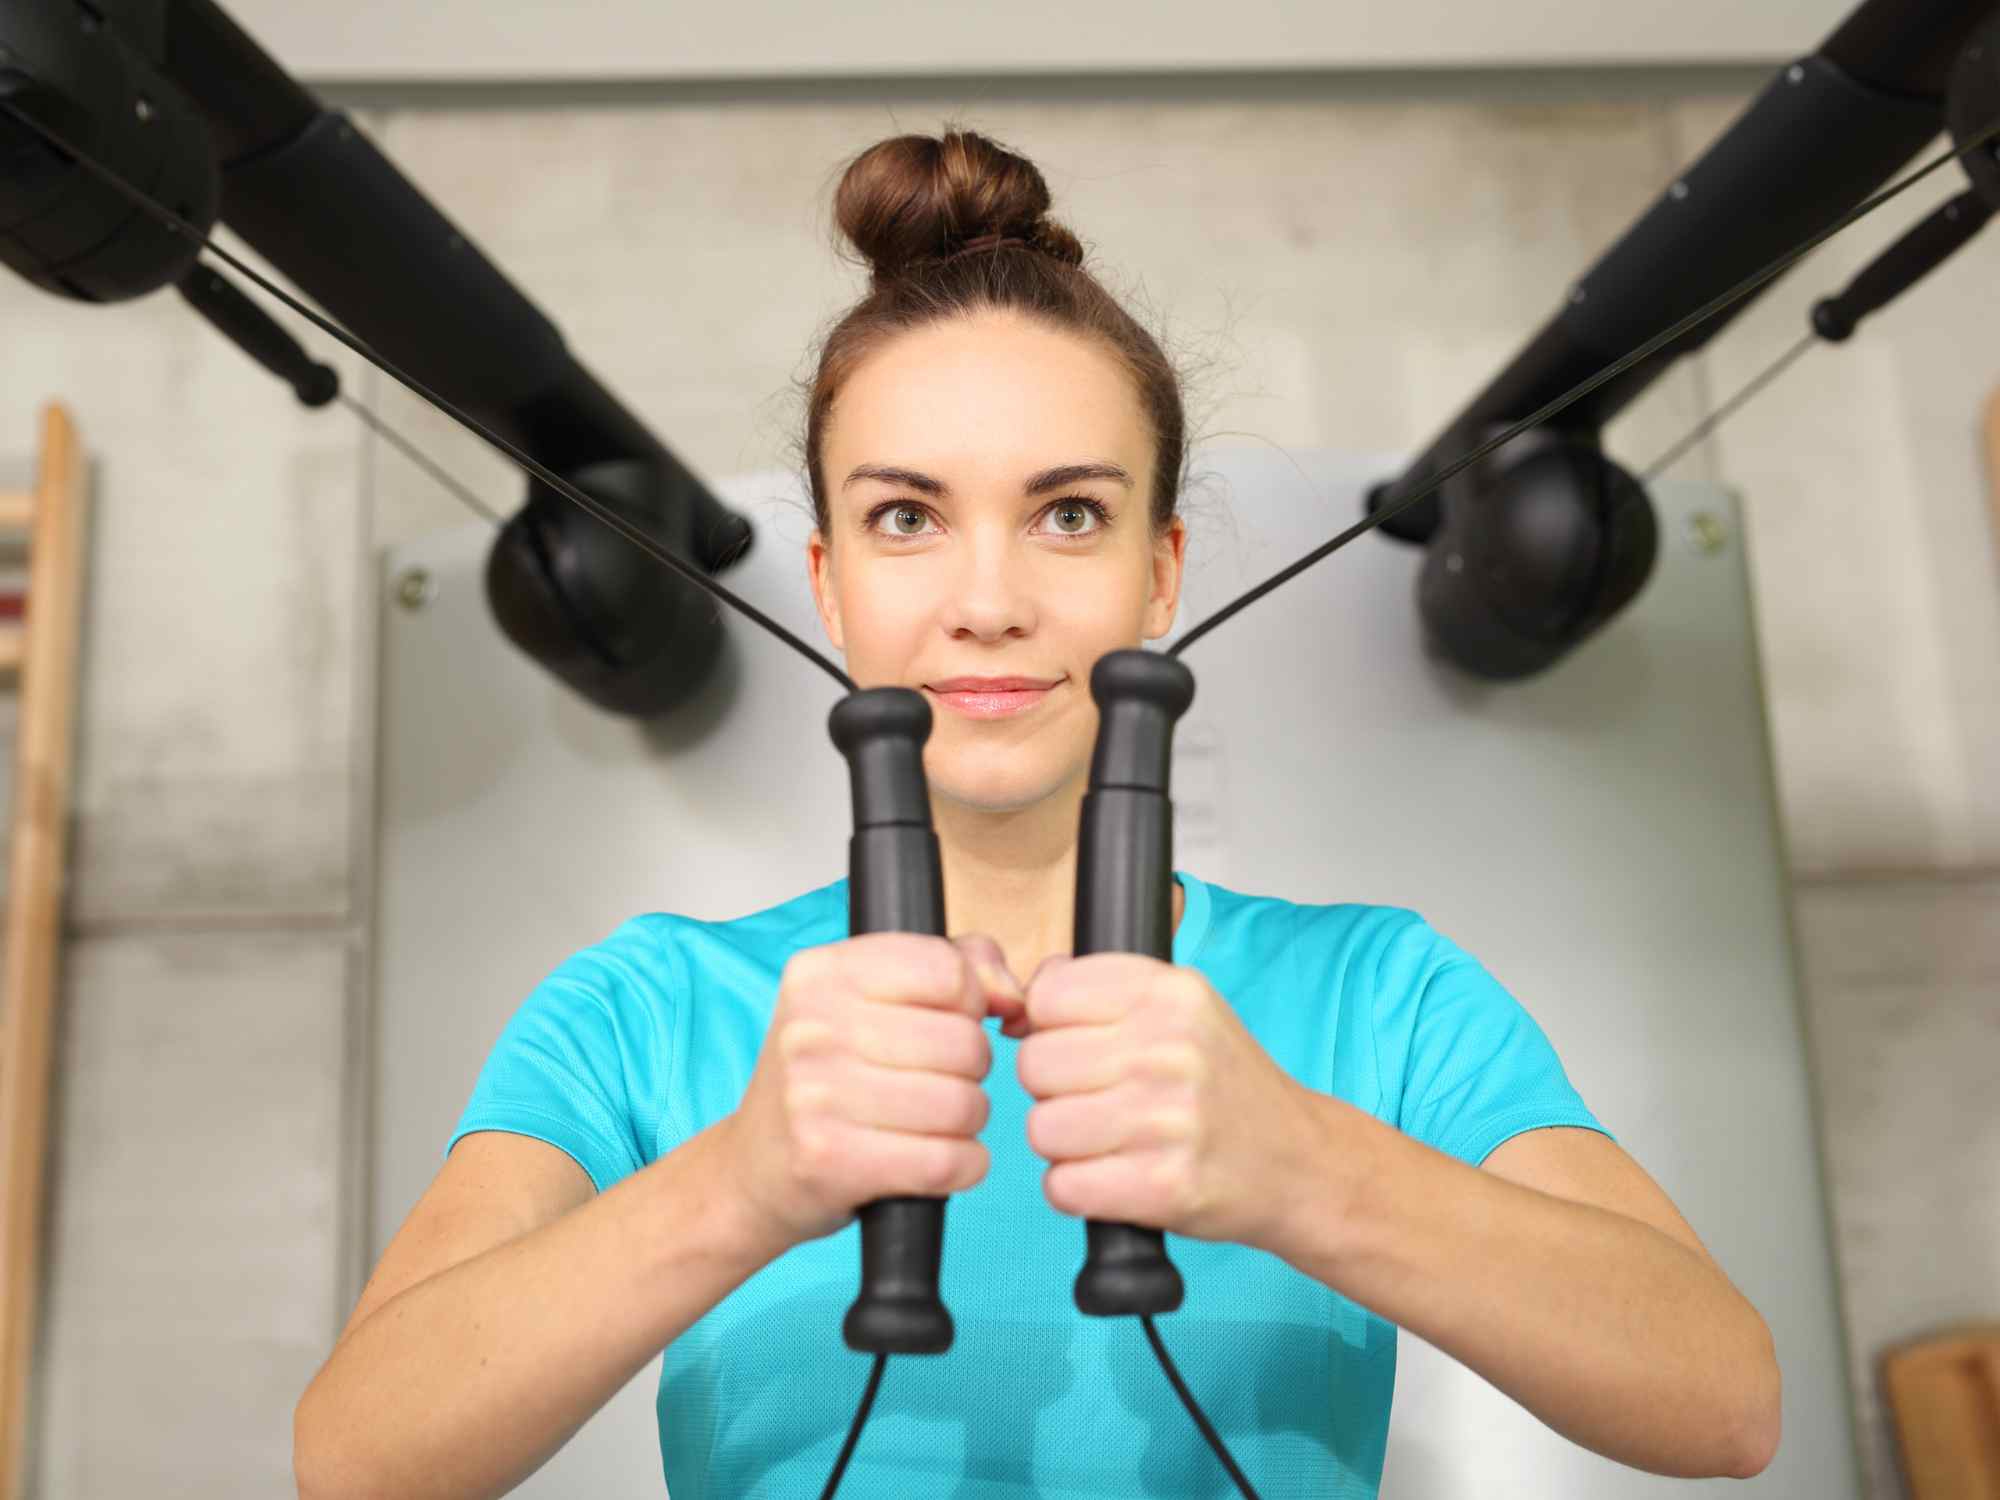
914	1036
1093	990
913	1102
1110	1188
1082	1125
930	1164
909	968
1069	1060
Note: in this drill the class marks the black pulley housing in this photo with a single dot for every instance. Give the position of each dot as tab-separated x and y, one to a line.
1540	545
62	228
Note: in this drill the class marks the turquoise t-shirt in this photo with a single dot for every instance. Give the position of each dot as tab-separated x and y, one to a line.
639	1042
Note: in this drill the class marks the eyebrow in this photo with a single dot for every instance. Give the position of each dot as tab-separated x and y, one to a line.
1048	479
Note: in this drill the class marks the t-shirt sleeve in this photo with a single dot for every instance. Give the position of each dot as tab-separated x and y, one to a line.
1474	1067
579	1063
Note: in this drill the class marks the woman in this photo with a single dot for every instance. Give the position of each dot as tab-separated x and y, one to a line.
1347	1122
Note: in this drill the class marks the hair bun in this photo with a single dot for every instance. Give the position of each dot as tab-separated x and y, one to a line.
913	199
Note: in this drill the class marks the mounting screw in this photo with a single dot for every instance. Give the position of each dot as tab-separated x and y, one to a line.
1795	74
1577	296
1708	532
1678	191
415	589
143	108
1453	563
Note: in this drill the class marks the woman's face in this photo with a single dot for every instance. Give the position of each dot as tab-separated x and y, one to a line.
966	465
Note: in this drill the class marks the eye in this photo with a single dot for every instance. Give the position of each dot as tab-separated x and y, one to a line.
906	518
1077	508
898	511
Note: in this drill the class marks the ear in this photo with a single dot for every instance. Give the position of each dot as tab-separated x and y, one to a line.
1169	560
819	573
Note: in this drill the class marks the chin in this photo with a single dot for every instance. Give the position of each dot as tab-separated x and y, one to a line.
1004	786
992	796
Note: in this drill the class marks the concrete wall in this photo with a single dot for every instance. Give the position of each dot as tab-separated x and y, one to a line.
1343	263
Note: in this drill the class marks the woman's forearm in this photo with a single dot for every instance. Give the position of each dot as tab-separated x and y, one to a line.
463	1385
1614	1334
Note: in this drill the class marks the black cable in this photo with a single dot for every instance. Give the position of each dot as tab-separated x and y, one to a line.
854	1432
326	325
1610	372
1200	1420
421	459
1715	418
1921	250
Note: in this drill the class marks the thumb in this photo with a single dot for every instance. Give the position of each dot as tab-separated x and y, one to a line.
1004	995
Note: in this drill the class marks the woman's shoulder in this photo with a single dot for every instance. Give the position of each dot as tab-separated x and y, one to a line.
659	947
1382	930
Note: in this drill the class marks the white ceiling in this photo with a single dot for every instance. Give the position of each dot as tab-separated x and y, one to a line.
625	39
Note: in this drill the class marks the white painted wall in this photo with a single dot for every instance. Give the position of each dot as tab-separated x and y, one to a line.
597	39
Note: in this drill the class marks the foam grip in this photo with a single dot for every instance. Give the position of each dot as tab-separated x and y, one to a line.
1124	904
895	884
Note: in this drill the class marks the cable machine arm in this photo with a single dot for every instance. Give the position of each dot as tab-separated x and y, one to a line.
1826	131
181	97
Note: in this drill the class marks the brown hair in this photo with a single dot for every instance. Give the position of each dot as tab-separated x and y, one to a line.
956	224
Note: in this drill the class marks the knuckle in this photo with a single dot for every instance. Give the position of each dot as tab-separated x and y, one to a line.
804	1037
955	979
975	945
1038	1130
965	1047
807	1098
807	967
974	1109
1176	1060
1055	1188
870	1040
1026	1071
940	1167
813	1147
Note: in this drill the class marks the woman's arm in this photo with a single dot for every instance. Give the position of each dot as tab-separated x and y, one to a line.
469	1379
1622	1338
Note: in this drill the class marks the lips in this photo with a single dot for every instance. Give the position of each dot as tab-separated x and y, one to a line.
991	697
991	684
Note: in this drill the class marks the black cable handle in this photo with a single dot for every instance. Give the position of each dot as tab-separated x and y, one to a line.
895	883
1125	904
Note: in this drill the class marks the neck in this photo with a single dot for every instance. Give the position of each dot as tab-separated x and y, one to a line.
1012	876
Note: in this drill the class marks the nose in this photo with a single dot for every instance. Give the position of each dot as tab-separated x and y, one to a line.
990	593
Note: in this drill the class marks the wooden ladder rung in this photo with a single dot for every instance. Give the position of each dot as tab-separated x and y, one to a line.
17	512
13	645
